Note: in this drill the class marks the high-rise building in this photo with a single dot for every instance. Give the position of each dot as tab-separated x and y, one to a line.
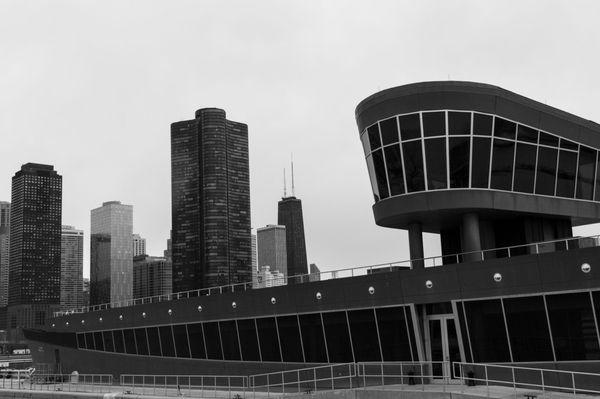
272	249
4	214
151	276
210	201
289	214
254	246
71	265
86	292
168	253
315	273
139	245
35	246
111	259
4	252
264	278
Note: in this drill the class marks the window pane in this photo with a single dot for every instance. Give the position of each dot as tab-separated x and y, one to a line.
213	341
505	129
464	332
364	138
597	189
181	340
459	151
89	341
410	126
393	335
525	168
248	340
394	168
413	166
289	334
80	341
481	162
364	335
459	122
269	344
372	178
568	145
528	329
434	124
153	341
229	339
435	153
585	173
119	341
373	132
380	174
411	332
548	139
546	171
487	331
129	337
528	134
565	183
196	339
312	338
389	131
166	341
108	341
502	164
99	341
482	124
573	327
338	338
140	340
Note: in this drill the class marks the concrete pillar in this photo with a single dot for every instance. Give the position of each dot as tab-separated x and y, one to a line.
470	237
415	244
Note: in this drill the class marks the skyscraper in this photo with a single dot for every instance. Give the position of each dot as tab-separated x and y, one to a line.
272	249
289	214
210	201
111	256
35	245
139	245
254	247
4	252
151	276
71	265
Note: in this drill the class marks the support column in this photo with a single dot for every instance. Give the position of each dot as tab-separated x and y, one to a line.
471	238
415	244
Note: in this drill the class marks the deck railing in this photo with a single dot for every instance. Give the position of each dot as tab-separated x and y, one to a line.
432	261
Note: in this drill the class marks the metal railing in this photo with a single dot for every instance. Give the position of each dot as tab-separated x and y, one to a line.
22	379
523	379
201	386
432	261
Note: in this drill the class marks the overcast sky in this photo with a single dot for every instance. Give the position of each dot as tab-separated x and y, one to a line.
92	87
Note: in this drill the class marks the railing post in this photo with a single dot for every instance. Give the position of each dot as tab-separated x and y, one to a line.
567	245
331	374
514	381
298	379
543	385
573	381
382	378
315	378
487	382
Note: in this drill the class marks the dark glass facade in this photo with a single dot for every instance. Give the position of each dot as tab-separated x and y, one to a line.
210	202
289	214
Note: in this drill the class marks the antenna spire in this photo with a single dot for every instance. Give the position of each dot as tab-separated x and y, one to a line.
293	192
284	185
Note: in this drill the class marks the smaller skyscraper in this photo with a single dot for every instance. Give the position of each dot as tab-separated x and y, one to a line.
86	292
168	253
152	276
4	252
139	245
289	214
254	248
271	242
315	273
71	268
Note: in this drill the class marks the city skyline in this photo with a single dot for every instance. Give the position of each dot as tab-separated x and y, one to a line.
295	94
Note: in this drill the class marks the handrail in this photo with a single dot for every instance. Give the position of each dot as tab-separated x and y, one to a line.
432	261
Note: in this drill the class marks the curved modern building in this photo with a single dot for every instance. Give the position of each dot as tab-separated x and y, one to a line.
502	179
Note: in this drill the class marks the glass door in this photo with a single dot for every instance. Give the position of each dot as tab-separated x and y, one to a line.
442	346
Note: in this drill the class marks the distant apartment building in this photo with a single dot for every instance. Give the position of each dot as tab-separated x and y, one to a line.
71	268
315	273
139	245
289	214
85	289
168	253
152	276
4	252
253	246
272	250
111	253
263	278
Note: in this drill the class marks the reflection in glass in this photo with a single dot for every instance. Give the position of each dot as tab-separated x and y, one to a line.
212	340
80	341
487	331
379	165
389	131
585	173
119	341
129	342
410	126
481	162
546	171
413	164
464	332
248	340
527	134
372	178
459	123
393	334
434	124
312	338
108	341
364	335
99	342
525	168
505	129
502	164
269	343
196	337
437	347
597	189
141	341
166	341
364	138
181	340
393	161
153	341
573	326
528	329
568	145
338	338
435	153
565	181
373	132
289	334
482	124
459	151
548	139
229	340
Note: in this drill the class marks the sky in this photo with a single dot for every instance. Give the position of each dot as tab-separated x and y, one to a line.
92	87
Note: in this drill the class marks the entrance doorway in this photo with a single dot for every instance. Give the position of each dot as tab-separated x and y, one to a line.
442	347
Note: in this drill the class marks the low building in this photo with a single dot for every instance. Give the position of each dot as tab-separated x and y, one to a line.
266	278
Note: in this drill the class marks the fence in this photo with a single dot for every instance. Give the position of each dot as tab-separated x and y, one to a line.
22	379
201	386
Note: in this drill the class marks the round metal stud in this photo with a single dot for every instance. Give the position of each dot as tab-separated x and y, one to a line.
273	300
233	305
319	296
199	308
144	315
120	317
67	324
497	277
428	284
100	319
82	321
371	290
170	312
53	325
586	268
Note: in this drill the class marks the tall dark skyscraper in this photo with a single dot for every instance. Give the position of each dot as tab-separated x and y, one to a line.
35	245
210	201
289	214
